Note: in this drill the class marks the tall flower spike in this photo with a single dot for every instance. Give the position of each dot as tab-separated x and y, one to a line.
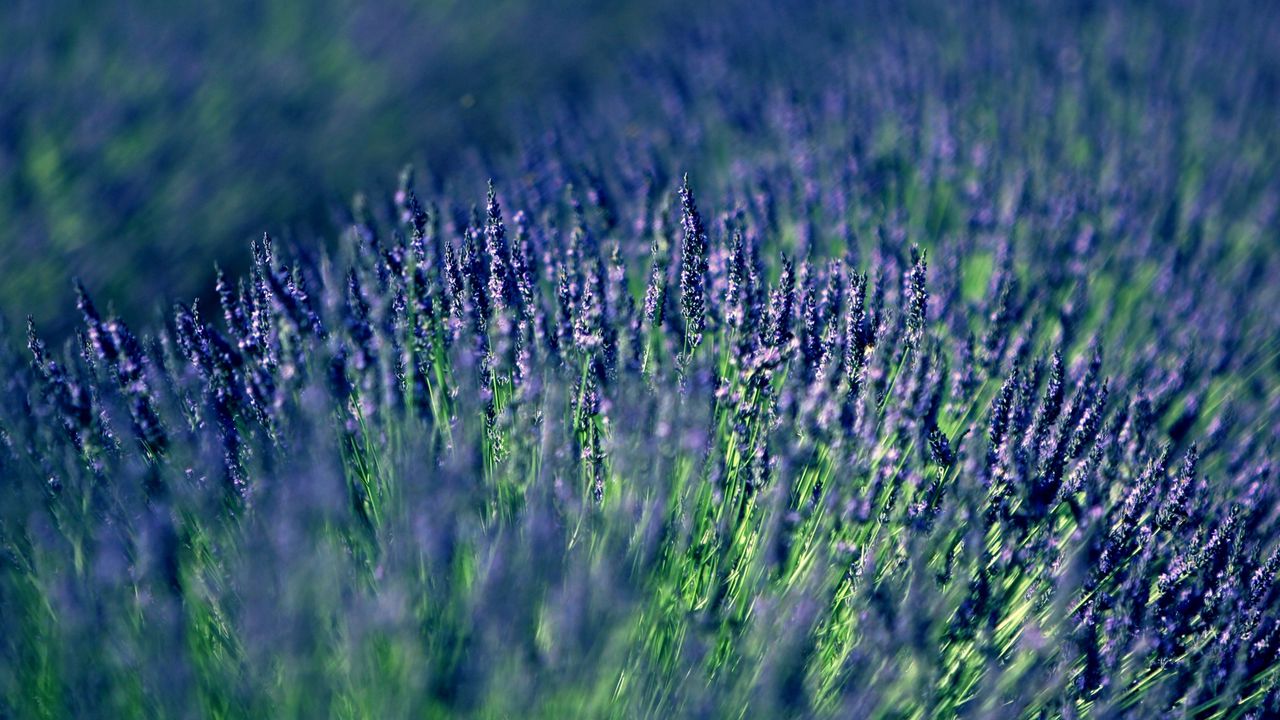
1051	404
357	320
522	266
655	294
736	291
1000	409
693	268
856	340
917	298
407	205
502	289
810	325
1175	507
232	310
98	337
781	304
36	345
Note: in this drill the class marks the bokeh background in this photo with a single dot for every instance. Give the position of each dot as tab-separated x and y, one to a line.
143	141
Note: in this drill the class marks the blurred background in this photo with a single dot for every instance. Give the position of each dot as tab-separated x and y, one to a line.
142	141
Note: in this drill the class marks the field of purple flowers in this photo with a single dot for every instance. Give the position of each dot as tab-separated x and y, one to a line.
910	362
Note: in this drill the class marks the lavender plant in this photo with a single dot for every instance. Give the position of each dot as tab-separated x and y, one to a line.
949	396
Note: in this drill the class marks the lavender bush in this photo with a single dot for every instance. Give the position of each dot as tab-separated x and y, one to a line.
894	375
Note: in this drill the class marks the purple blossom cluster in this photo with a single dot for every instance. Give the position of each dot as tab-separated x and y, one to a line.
890	414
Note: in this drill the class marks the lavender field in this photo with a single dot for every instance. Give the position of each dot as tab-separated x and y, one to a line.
902	360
